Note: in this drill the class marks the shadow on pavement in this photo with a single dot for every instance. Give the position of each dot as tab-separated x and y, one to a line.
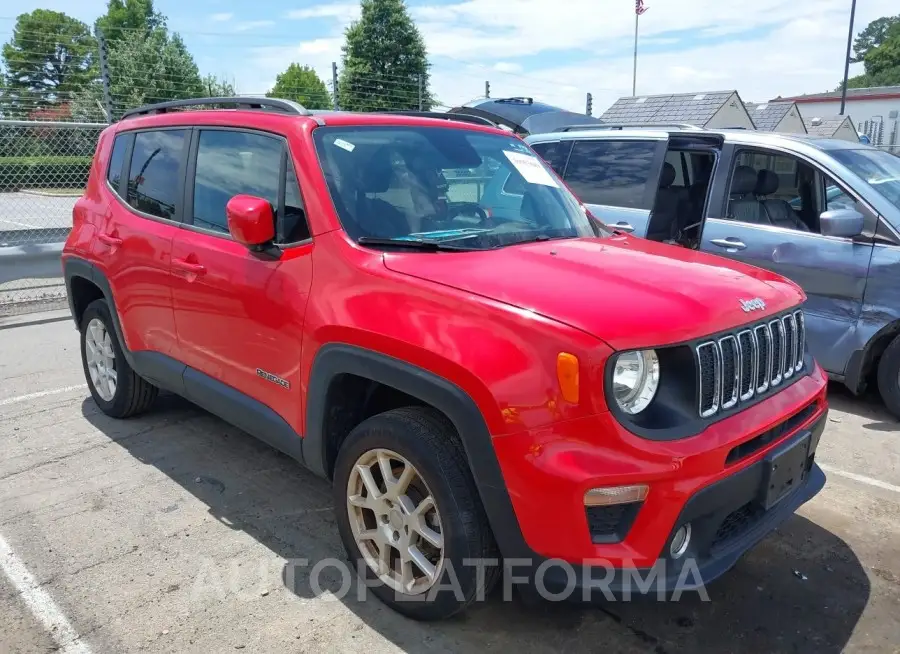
801	589
867	406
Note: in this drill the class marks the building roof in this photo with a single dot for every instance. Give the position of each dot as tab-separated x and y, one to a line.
693	108
767	116
827	127
871	93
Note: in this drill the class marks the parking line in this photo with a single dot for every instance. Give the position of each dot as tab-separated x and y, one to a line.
32	396
877	483
40	603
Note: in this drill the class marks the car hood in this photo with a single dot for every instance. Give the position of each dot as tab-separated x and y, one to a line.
626	291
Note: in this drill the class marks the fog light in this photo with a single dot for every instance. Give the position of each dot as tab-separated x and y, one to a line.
680	541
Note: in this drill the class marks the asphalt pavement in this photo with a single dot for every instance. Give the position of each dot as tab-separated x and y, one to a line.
171	532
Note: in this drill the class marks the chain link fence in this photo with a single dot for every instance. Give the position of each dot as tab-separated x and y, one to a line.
44	168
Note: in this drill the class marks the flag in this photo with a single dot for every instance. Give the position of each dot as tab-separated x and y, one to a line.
639	7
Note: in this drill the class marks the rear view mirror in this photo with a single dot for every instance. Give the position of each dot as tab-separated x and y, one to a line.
250	221
841	222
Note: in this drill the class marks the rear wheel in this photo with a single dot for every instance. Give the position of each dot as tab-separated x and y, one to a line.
115	387
409	514
889	377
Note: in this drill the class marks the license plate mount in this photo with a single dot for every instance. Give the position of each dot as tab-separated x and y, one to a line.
786	470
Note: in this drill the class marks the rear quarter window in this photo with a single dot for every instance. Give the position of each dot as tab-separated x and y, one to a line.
613	173
117	159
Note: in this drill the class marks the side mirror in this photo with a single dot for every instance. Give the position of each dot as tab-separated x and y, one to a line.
841	222
250	221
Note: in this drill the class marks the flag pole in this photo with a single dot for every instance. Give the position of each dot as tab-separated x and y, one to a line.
637	16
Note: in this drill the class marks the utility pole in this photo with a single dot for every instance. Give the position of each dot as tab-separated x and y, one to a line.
847	58
487	89
334	86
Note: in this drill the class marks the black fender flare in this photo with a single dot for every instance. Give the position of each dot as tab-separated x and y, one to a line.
77	267
334	359
861	361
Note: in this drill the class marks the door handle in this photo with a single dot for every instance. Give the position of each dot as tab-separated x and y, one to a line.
110	240
188	266
623	226
729	243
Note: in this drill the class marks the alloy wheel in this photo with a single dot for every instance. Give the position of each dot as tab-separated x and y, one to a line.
395	521
101	359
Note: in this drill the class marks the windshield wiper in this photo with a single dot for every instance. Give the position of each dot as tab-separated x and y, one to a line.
418	244
538	239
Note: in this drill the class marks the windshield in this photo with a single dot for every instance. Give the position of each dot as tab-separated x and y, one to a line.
879	168
446	185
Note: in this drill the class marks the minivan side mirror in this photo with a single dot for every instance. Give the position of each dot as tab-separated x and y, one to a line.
841	222
250	221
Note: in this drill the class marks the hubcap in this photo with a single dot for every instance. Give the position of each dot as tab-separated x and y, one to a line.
101	359
395	521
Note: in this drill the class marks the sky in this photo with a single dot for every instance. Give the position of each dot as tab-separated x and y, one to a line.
552	50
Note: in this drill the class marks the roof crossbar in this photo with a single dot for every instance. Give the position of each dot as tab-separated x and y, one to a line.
574	128
254	103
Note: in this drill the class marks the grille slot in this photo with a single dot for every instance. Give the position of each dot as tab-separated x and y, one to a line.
749	358
790	345
776	328
739	366
731	370
801	339
710	378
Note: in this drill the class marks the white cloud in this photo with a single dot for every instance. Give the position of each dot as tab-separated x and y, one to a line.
763	49
253	25
507	67
221	18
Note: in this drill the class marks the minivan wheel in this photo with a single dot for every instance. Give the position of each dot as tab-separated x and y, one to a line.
410	517
889	377
115	387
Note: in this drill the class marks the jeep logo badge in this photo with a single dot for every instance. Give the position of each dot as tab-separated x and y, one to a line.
756	304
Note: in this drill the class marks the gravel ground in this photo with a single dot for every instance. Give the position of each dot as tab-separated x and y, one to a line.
170	533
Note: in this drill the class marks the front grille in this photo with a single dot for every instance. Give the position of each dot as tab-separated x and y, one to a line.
737	367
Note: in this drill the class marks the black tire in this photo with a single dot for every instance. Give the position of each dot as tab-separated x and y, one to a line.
428	440
133	394
889	377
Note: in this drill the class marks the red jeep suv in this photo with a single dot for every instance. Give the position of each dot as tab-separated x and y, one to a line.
483	370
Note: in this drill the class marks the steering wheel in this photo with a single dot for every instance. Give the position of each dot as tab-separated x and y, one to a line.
456	208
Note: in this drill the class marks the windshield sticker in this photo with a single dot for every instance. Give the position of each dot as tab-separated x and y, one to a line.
346	145
530	168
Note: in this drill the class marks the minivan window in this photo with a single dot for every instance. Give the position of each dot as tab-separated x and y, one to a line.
880	170
154	172
613	173
555	153
233	163
117	159
428	184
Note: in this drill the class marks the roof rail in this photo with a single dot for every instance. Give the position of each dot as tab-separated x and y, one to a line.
573	128
259	103
463	118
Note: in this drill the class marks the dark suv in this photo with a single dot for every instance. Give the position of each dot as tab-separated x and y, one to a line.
476	380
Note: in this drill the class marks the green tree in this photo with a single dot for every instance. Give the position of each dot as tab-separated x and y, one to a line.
50	57
872	36
301	84
146	63
129	19
384	60
214	87
883	62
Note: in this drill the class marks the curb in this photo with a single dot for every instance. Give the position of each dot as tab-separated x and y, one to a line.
29	319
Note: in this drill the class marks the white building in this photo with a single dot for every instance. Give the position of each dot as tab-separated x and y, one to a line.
717	109
776	117
875	111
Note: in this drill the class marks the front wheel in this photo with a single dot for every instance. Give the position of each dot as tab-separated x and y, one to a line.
889	377
409	514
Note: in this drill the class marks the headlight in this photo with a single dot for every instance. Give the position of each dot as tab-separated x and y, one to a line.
635	380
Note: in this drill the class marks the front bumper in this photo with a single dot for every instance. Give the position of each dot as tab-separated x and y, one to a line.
697	479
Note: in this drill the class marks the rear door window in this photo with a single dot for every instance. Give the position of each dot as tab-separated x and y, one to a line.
155	172
614	173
